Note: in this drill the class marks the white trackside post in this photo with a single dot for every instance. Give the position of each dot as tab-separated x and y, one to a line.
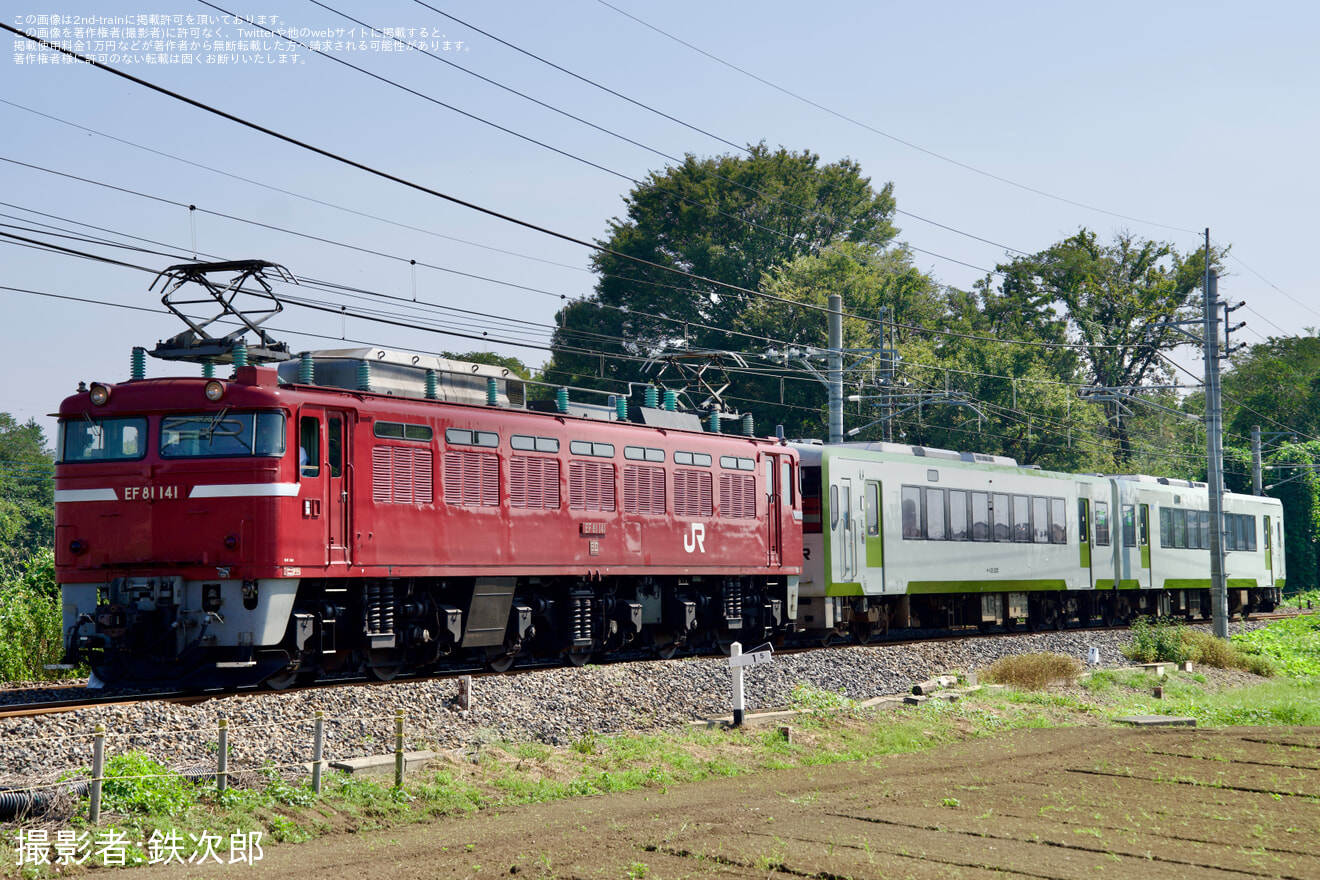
735	650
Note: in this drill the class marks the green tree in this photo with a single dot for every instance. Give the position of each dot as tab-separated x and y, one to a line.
27	493
512	364
1115	300
730	219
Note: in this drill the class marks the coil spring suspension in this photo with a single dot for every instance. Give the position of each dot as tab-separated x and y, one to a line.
580	618
733	602
380	608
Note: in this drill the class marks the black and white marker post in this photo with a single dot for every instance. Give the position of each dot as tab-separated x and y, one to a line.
739	661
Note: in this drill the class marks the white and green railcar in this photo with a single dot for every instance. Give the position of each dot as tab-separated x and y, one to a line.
908	536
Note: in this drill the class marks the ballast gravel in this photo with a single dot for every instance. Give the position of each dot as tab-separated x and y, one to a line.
557	706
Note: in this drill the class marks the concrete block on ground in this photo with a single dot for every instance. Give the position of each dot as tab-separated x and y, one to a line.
383	765
1156	721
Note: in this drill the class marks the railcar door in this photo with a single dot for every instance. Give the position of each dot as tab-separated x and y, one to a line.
841	522
1269	554
1143	541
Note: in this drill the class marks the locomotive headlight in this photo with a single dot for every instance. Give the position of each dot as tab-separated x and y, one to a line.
215	389
100	394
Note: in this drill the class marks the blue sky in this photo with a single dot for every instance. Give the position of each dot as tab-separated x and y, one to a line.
1161	119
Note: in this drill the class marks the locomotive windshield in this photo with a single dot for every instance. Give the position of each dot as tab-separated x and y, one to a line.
89	439
222	434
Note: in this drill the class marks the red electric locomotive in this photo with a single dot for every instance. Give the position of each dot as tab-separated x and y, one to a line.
365	509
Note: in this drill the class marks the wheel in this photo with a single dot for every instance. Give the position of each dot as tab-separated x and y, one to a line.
282	680
862	633
383	665
501	662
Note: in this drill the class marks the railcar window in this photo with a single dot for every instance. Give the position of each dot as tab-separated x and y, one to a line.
1129	526
1040	518
911	500
1102	524
936	529
980	516
102	440
1021	519
872	509
811	521
1179	518
1058	521
528	443
586	447
834	507
643	453
464	437
736	463
424	433
1205	529
309	445
221	434
700	459
1083	527
1166	527
786	481
1003	519
334	442
957	515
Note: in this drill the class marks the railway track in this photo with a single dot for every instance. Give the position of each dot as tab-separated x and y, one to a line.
83	700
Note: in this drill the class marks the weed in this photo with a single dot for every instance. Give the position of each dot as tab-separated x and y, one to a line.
638	870
1034	671
950	802
136	783
1158	638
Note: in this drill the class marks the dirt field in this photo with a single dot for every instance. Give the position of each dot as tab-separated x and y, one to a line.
1071	803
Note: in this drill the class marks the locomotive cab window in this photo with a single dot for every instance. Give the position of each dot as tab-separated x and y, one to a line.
221	435
85	440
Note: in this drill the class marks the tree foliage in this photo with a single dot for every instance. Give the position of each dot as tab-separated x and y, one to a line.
1115	301
734	220
27	493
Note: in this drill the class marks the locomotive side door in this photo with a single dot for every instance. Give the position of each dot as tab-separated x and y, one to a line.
779	506
324	467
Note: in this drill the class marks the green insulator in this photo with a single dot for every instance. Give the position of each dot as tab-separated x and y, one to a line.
713	422
240	355
306	369
621	408
747	425
652	397
671	400
432	385
492	391
364	376
561	400
208	369
139	363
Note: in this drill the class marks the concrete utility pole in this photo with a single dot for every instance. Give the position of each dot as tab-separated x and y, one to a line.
1214	430
835	383
1255	461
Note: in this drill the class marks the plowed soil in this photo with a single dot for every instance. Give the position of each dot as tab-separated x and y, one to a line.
1065	804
